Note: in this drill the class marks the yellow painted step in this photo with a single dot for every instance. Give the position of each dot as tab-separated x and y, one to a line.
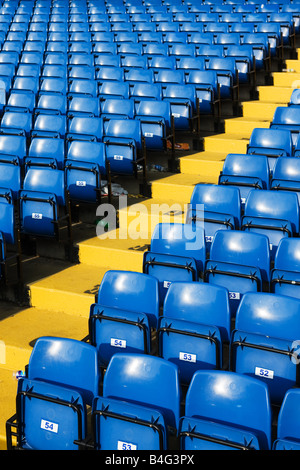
204	164
113	248
286	79
139	220
18	331
278	94
227	143
259	109
293	65
177	187
71	290
8	387
244	126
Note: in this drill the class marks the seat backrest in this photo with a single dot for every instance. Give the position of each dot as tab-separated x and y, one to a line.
124	128
287	255
124	107
295	97
67	362
216	198
7	222
289	416
273	204
244	248
85	151
271	139
145	380
287	168
132	291
47	147
178	239
232	399
154	108
145	91
199	303
47	180
269	314
244	165
286	115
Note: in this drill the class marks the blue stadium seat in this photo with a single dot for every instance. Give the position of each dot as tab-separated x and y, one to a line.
113	330
176	253
62	376
161	62
272	213
287	436
84	128
157	123
184	105
85	171
16	122
294	99
130	391
88	106
138	75
285	275
271	142
13	145
109	73
113	108
145	91
239	261
50	103
261	49
214	207
188	64
286	175
10	175
246	173
227	75
287	118
43	204
207	90
124	144
9	240
221	413
194	327
47	148
113	89
262	343
132	291
49	125
53	85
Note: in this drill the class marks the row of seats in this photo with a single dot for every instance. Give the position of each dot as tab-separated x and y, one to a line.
139	407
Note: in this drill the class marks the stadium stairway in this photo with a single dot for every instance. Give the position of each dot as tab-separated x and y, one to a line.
60	293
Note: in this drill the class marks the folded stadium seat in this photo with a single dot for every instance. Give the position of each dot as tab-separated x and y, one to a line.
125	146
10	174
227	77
138	75
239	261
44	204
216	28
161	17
106	60
210	50
271	142
57	46
184	105
245	61
82	87
188	64
130	61
113	108
167	27
138	410
261	49
84	128
194	327
104	48
161	62
83	106
214	207
246	173
287	26
145	91
86	72
168	76
53	85
16	122
49	125
286	175
62	379
85	169
50	103
157	123
200	38
176	253
293	9
7	72
113	89
109	73
287	118
114	330
28	84
207	90
275	37
285	277
273	213
129	48
79	59
48	149
172	37
226	411
130	291
55	58
287	435
242	28
156	49
28	70
262	343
